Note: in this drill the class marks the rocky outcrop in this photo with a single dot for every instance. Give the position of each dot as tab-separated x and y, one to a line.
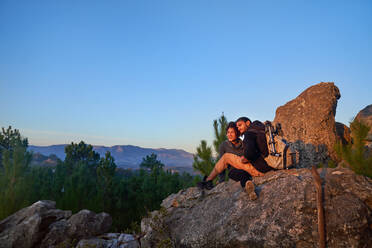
84	224
284	215
308	122
42	225
27	227
343	133
365	116
110	240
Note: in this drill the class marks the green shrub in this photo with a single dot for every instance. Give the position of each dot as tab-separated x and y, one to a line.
356	154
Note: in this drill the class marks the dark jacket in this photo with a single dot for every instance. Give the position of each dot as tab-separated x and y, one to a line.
252	151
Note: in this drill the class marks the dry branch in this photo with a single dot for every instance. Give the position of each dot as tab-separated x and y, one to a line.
321	224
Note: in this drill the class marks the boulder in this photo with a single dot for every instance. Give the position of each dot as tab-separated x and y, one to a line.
110	240
308	121
84	224
365	116
93	243
42	225
343	133
28	226
284	215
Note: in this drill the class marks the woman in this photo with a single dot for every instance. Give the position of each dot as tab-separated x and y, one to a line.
232	145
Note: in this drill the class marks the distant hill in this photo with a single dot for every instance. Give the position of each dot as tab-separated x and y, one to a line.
128	156
39	159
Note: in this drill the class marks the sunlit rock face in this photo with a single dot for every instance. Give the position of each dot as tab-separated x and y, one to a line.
365	116
284	215
308	121
343	132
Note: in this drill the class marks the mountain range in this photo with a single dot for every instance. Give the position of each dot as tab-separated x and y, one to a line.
126	156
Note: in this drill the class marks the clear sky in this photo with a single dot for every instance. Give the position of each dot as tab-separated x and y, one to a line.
156	73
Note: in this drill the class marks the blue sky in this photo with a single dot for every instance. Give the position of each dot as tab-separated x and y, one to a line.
156	73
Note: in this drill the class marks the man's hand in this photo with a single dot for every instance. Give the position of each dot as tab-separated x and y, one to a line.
244	160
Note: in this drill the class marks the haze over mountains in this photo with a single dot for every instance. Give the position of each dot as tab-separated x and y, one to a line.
127	156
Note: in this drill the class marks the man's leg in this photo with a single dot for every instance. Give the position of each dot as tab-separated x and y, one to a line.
235	161
240	176
245	181
222	175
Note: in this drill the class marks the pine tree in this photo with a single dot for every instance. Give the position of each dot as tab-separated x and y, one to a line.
14	165
151	162
76	153
14	190
219	132
79	171
204	160
105	178
10	138
356	154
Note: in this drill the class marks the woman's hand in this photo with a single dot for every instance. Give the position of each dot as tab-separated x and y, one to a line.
244	160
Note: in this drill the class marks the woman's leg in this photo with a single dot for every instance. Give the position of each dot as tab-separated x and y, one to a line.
235	161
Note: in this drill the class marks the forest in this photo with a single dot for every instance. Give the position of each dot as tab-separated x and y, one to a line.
84	180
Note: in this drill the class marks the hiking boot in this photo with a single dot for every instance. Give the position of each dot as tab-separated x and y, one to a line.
249	189
208	185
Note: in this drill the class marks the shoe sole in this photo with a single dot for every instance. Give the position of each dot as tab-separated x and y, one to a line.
249	189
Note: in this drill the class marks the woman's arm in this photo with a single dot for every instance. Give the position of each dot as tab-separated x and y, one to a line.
221	149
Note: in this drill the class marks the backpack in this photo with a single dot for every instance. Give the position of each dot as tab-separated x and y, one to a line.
280	155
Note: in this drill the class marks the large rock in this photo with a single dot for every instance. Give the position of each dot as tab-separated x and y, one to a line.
28	226
365	116
284	215
84	224
343	133
110	240
309	122
42	225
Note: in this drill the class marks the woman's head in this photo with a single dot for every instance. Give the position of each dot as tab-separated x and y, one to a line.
232	131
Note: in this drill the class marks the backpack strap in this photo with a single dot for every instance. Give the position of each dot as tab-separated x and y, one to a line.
285	164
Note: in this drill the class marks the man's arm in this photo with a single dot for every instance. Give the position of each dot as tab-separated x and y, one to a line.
250	148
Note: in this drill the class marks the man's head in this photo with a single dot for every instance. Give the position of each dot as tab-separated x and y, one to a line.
243	123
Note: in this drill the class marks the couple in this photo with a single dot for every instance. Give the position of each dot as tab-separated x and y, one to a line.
245	157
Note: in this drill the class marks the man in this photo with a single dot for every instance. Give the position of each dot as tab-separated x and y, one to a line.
254	143
252	160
